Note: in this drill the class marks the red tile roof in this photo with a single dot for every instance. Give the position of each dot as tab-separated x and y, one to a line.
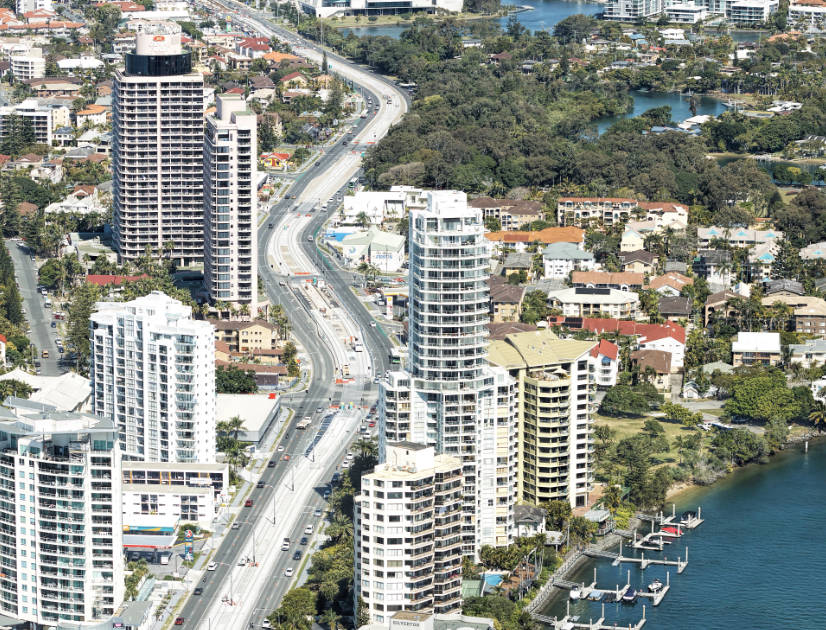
647	332
606	348
596	200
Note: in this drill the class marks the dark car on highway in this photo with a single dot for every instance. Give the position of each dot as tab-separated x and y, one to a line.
297	554
199	590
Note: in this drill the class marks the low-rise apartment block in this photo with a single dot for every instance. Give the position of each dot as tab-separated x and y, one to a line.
512	214
591	302
622	280
756	348
246	336
560	259
736	237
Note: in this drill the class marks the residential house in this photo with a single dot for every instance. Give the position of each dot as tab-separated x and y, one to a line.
639	261
668	339
83	200
659	362
719	302
512	214
246	336
670	283
605	362
93	115
293	80
632	240
715	266
374	206
818	389
736	236
756	348
517	262
520	240
505	301
665	214
64	136
590	302
560	259
677	307
624	280
808	313
604	210
253	47
811	353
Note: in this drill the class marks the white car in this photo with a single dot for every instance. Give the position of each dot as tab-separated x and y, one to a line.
266	624
288	572
308	531
373	324
280	448
212	566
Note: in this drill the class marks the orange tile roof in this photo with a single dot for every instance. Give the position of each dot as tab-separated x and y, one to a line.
549	235
607	277
670	279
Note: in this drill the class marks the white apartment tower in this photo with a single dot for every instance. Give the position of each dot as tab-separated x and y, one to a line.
450	397
153	374
60	503
408	551
230	227
157	149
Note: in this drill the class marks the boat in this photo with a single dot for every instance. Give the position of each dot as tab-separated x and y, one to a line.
672	530
656	586
629	597
576	593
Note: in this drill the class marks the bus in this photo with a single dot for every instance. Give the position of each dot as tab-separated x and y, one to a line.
395	357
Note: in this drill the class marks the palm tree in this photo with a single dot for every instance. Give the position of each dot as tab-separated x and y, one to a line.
235	425
341	529
818	417
330	619
362	219
366	448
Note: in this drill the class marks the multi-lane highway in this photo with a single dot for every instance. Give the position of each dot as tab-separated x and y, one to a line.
293	489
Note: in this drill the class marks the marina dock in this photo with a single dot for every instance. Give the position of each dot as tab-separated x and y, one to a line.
617	558
572	623
692	521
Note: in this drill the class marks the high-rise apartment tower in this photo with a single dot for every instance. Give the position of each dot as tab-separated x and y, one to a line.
450	397
230	226
60	503
157	149
153	374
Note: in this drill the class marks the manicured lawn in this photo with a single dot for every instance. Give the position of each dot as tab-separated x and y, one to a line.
626	427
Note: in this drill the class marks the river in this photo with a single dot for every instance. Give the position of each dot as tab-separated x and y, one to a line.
680	106
756	562
543	16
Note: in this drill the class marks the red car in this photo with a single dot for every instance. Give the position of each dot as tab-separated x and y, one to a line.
179	621
286	458
371	424
248	503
